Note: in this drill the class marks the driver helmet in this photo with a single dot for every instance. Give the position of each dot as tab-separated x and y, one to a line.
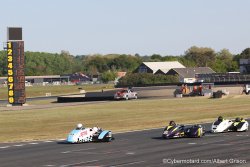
79	126
220	118
172	123
95	129
237	119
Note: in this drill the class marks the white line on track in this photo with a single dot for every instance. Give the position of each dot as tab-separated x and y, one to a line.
223	144
19	145
130	153
33	143
48	141
79	163
192	143
128	164
59	139
242	135
5	147
86	149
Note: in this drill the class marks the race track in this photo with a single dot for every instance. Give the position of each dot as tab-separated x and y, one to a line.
141	148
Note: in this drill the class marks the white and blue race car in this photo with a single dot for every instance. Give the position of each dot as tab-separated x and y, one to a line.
83	135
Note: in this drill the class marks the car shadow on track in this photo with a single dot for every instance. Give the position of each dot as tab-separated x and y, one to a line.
158	138
62	142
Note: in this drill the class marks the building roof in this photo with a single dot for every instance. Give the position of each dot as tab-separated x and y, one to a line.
164	71
166	65
191	71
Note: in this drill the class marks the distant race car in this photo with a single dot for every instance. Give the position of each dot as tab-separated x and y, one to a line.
225	125
125	94
179	131
83	135
221	126
239	127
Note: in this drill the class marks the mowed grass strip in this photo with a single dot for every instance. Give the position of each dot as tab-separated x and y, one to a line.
118	116
35	91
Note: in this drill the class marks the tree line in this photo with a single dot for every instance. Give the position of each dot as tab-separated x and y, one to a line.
41	63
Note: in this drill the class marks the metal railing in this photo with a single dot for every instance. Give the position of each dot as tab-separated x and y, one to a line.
222	77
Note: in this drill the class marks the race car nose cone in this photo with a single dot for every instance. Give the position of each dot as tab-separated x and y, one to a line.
71	139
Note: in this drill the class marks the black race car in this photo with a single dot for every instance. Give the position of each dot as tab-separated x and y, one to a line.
178	131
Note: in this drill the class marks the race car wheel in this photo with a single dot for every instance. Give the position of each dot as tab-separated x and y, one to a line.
90	138
126	97
107	139
79	141
136	97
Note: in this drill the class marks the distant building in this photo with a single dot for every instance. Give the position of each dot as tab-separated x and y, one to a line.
153	67
119	75
78	77
161	71
188	75
42	80
245	66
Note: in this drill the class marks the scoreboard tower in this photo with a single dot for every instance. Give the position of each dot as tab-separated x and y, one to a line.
15	67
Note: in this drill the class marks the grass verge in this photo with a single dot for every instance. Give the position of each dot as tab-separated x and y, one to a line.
35	91
118	116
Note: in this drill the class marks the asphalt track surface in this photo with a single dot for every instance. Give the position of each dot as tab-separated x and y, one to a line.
141	148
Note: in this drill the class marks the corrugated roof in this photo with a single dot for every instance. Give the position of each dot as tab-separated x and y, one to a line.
191	71
166	65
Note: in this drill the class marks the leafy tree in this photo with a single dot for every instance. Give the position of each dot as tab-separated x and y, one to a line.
187	62
97	61
224	62
3	63
42	63
245	54
170	58
108	76
140	79
156	57
202	56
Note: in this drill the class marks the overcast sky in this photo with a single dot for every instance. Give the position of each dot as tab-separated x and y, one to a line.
166	27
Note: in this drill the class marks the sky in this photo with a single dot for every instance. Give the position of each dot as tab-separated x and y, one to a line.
146	27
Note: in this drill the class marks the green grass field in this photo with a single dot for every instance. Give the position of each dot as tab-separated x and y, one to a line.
35	91
118	116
